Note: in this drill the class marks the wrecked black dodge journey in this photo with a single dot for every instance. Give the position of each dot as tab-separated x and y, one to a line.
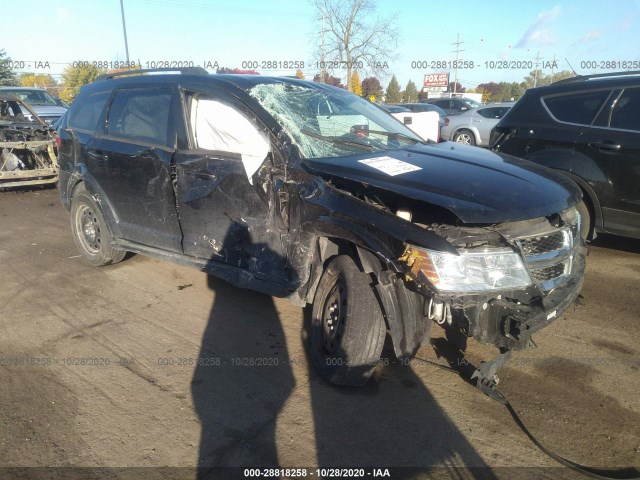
306	191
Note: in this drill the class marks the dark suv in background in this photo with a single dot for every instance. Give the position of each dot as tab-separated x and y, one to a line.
588	129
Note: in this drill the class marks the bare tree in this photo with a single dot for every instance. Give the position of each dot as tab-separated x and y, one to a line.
353	37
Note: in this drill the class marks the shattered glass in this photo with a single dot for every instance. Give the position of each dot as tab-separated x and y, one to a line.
331	123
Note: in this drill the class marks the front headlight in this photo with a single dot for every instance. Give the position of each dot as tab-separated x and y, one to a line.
495	269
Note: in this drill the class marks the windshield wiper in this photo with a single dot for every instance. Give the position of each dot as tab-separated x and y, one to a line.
398	134
338	141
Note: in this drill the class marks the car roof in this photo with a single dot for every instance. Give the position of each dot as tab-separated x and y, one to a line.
12	88
498	104
242	81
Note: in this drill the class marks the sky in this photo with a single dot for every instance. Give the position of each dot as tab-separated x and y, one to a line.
503	39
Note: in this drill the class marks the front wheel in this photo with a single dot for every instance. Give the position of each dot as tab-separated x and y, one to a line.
90	232
465	137
585	220
347	325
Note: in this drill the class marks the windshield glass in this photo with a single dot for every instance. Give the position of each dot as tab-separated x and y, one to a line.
471	103
331	123
35	97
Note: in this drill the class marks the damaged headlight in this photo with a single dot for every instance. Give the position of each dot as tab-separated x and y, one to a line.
470	271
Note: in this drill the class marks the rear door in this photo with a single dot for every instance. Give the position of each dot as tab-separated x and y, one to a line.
130	165
613	143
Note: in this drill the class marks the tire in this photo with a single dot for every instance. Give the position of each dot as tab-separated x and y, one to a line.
465	137
91	233
585	220
347	325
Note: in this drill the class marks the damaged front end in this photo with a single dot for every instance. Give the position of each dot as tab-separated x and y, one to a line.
506	282
27	148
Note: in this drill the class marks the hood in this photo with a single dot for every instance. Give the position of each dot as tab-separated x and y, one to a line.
477	185
48	112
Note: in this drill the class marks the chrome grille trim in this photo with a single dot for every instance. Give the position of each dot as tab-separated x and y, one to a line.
549	256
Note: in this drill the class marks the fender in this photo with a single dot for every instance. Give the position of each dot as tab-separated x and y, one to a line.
562	160
81	176
589	193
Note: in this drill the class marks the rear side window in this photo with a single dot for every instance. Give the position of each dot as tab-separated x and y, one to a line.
578	108
141	115
87	113
626	113
493	112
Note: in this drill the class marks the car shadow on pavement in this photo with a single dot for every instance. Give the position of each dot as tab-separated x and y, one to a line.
244	378
392	422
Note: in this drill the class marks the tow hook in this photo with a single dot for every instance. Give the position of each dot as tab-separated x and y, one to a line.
487	380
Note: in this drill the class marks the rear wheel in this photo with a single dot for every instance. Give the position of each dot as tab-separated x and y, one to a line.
90	232
347	325
465	136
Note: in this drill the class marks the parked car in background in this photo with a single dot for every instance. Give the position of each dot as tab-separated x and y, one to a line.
426	107
454	105
28	153
473	127
588	129
426	124
42	102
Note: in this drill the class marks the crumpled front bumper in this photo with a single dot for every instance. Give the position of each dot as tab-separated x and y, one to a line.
509	319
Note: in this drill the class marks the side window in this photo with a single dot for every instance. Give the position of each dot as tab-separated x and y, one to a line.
626	113
578	108
220	127
87	113
140	115
488	112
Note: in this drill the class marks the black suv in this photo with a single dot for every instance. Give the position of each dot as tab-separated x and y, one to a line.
306	191
588	129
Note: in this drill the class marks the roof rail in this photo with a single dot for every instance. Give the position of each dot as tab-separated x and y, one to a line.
184	71
584	78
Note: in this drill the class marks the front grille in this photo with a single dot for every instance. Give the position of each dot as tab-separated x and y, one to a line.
534	246
542	275
549	257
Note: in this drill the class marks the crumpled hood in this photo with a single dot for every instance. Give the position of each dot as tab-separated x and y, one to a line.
477	185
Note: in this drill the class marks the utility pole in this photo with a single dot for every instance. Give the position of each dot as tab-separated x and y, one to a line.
124	29
322	64
457	51
535	73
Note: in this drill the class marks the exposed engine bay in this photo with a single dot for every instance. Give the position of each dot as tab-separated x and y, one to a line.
27	148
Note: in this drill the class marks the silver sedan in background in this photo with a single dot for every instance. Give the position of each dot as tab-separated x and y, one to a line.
473	127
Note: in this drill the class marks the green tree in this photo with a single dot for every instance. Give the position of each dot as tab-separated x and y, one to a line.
394	95
7	77
410	92
556	77
40	80
353	34
75	77
356	86
371	87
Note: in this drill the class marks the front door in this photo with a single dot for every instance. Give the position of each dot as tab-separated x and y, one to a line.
225	194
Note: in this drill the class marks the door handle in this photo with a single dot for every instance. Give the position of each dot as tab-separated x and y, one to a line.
606	146
97	155
201	174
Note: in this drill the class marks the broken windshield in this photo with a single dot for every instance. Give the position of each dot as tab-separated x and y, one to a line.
331	122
